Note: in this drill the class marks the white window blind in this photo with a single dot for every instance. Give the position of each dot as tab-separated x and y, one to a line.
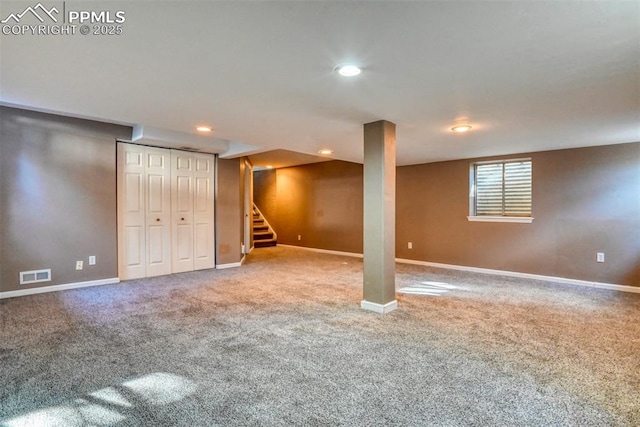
503	188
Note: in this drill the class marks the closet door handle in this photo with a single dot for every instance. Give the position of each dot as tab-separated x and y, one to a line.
182	219
158	219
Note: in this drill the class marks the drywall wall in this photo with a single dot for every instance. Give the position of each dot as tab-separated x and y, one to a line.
229	212
57	197
585	200
321	202
265	193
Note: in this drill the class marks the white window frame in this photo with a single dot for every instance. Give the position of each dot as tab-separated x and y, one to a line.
472	196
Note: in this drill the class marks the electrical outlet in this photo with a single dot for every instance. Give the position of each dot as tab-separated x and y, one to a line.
92	260
410	245
79	265
600	257
299	237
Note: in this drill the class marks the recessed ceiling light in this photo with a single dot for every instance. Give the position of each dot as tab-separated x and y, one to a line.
325	151
461	128
204	128
347	70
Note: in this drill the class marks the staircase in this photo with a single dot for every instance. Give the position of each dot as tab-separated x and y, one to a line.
263	234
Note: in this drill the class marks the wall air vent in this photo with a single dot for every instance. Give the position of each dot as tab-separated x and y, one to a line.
35	276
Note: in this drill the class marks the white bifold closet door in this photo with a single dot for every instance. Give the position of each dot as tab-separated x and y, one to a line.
131	211
165	211
192	211
158	215
203	214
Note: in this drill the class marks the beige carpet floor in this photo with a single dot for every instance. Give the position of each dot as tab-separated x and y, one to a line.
282	341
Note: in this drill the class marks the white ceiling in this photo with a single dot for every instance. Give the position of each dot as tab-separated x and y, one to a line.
528	76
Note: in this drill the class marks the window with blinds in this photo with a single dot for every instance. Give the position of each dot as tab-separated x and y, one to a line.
503	188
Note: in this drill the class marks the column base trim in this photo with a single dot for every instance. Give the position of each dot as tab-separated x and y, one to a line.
379	308
229	265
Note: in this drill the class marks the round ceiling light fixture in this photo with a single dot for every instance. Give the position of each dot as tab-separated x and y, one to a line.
347	70
325	151
461	128
203	128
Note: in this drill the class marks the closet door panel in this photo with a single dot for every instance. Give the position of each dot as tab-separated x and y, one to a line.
204	244
182	210
131	211
157	245
134	240
158	211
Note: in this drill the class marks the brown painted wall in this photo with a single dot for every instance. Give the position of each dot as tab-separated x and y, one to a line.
57	197
265	194
228	212
585	200
321	202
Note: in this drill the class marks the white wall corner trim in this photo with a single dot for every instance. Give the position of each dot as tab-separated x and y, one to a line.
379	308
56	288
575	282
230	265
564	280
324	251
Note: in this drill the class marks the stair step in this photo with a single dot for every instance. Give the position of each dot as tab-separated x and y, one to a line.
264	235
264	243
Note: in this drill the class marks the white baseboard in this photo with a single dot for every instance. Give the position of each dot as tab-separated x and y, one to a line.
56	288
324	251
230	265
575	282
379	308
